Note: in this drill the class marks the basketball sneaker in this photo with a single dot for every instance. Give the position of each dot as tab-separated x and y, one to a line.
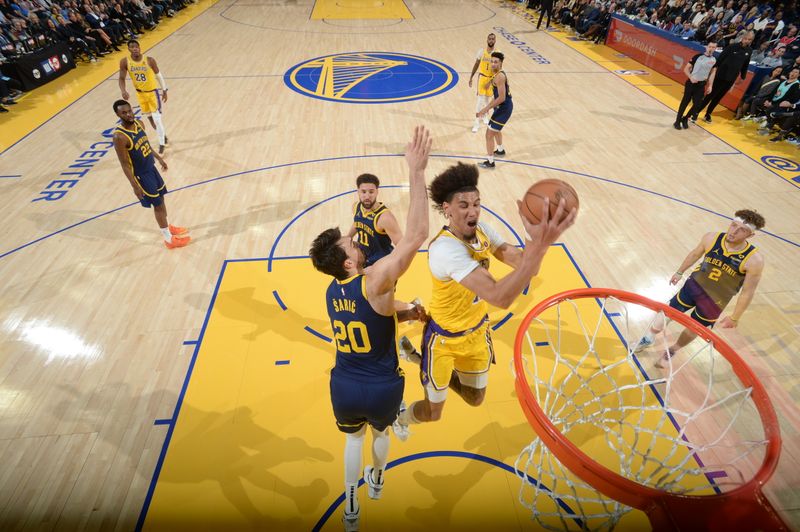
373	488
486	164
176	230
178	242
350	521
499	152
407	351
400	430
644	343
707	119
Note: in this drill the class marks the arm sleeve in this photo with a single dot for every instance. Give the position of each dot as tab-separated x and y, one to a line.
449	259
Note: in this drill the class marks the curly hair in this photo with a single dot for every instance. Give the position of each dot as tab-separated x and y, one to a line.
751	217
458	178
327	255
368	178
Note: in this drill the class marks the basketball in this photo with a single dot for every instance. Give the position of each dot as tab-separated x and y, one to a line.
555	189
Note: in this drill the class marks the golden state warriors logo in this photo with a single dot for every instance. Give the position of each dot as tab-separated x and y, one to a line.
370	77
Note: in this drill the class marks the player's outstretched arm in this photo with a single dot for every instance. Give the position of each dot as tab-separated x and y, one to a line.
694	255
502	293
385	272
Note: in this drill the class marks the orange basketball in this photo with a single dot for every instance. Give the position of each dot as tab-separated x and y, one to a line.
555	189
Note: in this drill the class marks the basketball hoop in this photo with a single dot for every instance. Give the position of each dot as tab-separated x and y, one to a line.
690	447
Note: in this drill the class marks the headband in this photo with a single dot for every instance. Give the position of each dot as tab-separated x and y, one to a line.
748	225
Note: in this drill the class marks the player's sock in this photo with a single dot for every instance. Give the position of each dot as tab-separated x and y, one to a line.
352	468
491	159
380	454
167	234
499	147
162	133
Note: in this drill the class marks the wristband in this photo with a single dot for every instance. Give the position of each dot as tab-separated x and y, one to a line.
679	273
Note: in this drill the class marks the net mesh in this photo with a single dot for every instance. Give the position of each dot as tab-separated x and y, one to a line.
691	428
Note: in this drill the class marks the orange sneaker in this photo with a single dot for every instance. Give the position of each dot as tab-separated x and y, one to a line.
178	242
175	230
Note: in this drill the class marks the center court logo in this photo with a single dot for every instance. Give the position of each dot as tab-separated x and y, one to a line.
370	77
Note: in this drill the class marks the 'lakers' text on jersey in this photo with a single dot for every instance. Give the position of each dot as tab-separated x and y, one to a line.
721	273
365	340
375	243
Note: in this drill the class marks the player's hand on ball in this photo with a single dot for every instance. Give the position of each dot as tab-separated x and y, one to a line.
548	229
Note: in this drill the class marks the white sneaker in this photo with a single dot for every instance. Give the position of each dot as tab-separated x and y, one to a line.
351	521
373	488
644	343
400	430
407	351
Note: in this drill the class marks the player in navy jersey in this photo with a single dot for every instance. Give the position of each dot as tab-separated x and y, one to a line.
137	159
374	226
730	263
503	106
366	381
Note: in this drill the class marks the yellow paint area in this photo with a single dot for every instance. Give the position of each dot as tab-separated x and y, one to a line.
255	445
40	105
360	9
781	157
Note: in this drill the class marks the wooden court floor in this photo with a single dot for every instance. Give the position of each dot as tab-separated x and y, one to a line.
170	389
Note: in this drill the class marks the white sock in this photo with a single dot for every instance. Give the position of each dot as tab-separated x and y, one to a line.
407	416
499	147
380	454
167	234
352	468
491	158
162	133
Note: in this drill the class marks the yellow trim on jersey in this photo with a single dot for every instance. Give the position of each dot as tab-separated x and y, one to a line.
349	279
746	258
375	219
681	301
364	293
730	253
496	122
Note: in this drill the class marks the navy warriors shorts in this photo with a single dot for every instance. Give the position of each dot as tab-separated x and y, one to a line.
501	115
152	184
691	296
358	400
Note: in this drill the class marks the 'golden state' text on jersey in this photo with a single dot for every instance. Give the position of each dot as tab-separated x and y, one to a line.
365	340
375	243
721	272
140	154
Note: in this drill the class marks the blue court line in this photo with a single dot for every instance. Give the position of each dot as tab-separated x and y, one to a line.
501	322
190	342
162	422
317	334
151	489
282	362
10	176
613	314
348	157
635	358
541	344
453	454
278	299
723	153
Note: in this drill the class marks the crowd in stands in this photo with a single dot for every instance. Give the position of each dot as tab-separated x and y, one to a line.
91	29
776	103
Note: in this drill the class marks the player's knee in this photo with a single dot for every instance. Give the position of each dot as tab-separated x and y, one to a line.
473	396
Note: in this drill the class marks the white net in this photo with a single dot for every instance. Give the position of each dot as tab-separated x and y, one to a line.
689	428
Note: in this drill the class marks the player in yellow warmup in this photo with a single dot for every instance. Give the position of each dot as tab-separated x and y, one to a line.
151	89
